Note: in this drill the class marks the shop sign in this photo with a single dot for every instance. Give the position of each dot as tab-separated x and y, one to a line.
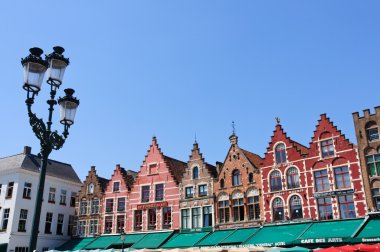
323	240
333	193
271	244
282	165
190	230
152	205
288	192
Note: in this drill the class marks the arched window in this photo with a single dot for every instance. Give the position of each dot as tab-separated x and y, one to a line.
292	178
275	181
250	177
221	183
90	188
372	131
295	207
278	209
195	172
236	179
280	154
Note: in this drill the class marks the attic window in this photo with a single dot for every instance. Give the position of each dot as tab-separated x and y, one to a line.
90	188
116	186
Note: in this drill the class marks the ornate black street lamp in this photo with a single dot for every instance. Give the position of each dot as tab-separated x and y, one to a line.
34	71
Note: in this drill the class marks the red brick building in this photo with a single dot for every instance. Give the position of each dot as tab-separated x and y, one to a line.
89	202
115	201
154	198
284	178
320	182
238	197
197	193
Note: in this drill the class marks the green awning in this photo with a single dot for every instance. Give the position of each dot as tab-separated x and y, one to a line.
214	238
370	232
184	240
76	244
239	236
270	236
129	239
152	240
103	242
3	247
330	231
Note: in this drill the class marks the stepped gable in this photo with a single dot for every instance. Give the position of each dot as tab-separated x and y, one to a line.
280	135
101	182
197	155
325	125
176	168
129	177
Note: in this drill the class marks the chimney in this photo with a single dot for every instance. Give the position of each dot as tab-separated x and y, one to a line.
27	150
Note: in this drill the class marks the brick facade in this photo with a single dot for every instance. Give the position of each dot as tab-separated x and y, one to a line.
89	203
238	189
290	163
320	182
115	201
367	135
154	197
197	194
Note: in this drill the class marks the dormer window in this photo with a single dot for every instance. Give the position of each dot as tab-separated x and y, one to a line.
327	148
195	172
372	131
280	154
116	186
90	188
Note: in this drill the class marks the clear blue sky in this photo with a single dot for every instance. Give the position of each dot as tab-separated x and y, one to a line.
176	68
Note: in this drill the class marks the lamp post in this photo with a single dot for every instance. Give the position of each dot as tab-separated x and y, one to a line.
122	238
34	71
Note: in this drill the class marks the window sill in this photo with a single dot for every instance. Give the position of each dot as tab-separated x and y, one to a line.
3	230
28	198
59	233
8	197
51	202
21	231
137	228
62	204
47	232
152	228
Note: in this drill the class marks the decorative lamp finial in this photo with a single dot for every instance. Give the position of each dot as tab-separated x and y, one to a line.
233	128
278	120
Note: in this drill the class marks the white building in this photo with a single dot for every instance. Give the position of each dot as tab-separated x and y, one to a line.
18	189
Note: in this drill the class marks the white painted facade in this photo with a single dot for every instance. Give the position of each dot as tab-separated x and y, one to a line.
17	203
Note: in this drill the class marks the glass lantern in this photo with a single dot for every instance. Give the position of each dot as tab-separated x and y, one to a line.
57	66
68	107
34	70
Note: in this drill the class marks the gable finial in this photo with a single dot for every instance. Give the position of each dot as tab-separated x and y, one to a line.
195	138
278	120
233	127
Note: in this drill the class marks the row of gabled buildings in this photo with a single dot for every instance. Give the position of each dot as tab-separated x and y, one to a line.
329	179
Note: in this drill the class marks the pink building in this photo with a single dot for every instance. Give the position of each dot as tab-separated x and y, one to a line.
115	199
154	198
